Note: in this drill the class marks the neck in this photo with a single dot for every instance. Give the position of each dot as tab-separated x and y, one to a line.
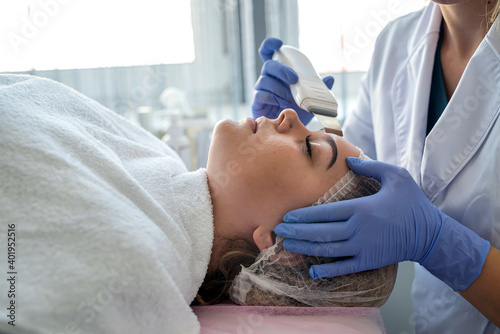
227	223
465	25
219	238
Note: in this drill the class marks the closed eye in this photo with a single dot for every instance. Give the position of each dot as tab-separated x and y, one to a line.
308	145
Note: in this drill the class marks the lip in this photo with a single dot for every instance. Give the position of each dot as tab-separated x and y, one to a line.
253	124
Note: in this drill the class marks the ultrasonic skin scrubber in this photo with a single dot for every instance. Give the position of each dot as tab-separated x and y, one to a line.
310	92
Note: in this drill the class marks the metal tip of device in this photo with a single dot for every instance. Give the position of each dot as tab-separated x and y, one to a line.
334	131
331	124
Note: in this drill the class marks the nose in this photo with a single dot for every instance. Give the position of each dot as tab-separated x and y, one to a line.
288	120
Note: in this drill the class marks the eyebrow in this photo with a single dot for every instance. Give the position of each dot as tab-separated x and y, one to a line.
329	140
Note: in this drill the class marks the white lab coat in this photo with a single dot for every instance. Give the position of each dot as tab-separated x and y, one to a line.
457	165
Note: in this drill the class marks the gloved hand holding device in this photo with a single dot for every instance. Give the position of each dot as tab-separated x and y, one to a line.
272	90
396	224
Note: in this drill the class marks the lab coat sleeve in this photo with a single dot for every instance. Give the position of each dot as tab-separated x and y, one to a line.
370	126
358	126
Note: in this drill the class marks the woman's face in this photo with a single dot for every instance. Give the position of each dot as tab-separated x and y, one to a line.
266	168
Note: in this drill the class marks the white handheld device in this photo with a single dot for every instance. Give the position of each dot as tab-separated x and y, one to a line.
310	92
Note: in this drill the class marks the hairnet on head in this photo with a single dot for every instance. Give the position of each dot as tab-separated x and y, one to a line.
281	278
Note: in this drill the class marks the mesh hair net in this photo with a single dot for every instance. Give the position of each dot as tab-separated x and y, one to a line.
281	278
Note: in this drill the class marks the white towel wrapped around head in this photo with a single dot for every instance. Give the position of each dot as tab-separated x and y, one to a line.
107	237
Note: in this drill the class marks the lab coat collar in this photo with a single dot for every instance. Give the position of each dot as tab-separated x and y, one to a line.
434	161
467	119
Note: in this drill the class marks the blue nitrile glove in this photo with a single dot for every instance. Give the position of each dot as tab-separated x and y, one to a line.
272	90
396	224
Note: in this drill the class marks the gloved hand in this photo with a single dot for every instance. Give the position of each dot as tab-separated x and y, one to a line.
396	224
272	90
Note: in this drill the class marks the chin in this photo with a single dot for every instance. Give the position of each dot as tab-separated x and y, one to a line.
222	128
223	124
225	137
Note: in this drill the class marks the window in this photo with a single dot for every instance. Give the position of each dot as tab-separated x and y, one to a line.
339	36
64	34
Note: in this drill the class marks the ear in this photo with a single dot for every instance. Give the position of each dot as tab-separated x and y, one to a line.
263	237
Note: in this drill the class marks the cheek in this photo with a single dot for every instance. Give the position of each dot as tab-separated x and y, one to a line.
265	174
273	175
296	189
278	198
279	179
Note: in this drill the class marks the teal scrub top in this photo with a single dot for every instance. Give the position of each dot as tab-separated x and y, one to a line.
438	99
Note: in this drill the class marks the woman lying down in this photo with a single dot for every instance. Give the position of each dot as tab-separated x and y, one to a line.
114	235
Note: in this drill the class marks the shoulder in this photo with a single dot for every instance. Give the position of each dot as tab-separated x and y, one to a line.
397	43
399	37
401	27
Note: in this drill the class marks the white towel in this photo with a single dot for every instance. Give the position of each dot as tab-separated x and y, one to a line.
113	234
